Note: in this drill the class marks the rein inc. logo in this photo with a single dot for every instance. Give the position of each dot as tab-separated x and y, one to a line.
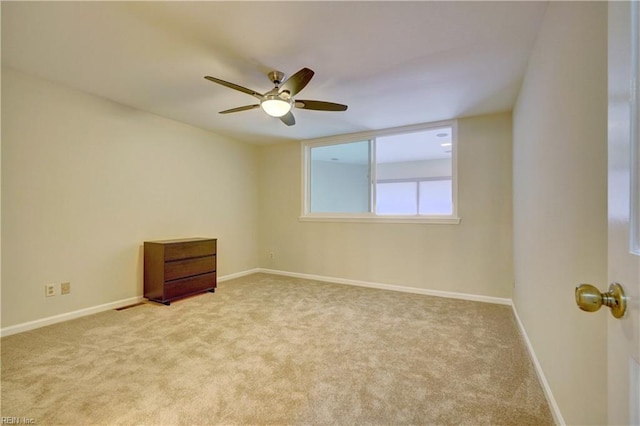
17	421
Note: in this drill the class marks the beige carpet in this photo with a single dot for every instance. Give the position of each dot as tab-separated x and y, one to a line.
266	349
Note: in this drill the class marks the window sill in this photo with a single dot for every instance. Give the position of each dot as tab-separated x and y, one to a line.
383	219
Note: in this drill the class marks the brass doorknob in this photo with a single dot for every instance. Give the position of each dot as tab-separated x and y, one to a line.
589	298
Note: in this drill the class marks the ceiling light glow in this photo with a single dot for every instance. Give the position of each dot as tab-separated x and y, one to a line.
275	106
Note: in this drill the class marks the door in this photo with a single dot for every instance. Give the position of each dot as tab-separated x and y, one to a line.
624	212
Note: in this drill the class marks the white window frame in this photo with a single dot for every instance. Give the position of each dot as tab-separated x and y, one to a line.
308	144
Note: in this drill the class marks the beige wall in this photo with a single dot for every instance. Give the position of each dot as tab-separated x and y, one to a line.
472	257
85	181
560	204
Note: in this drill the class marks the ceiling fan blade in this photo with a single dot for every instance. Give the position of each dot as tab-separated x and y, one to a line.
288	119
235	87
320	105
298	81
242	108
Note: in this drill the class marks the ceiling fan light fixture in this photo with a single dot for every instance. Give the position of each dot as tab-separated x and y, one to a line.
278	102
275	106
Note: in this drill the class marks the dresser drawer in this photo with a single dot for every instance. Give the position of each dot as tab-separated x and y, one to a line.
183	250
190	285
186	268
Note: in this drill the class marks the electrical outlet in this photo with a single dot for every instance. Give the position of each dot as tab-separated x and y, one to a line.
49	290
65	288
271	255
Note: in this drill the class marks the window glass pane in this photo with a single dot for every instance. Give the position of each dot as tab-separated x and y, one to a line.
422	156
340	181
397	198
435	197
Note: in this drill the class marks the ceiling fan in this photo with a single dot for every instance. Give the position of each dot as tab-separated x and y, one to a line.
278	102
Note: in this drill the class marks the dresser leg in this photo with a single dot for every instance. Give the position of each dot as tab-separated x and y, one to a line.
212	290
166	303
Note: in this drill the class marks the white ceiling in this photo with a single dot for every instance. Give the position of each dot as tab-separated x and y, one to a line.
393	63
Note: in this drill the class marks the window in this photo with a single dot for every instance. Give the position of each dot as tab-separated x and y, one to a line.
395	175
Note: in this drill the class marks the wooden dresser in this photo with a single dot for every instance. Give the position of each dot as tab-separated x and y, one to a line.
179	268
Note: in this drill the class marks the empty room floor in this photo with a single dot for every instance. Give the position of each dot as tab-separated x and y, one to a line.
267	349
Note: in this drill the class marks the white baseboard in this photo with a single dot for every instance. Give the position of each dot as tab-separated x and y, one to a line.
32	325
437	293
238	275
555	410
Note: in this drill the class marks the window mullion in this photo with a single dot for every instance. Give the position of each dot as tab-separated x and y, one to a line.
373	174
417	197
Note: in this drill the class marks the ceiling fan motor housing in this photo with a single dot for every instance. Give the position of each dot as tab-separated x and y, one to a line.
276	77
